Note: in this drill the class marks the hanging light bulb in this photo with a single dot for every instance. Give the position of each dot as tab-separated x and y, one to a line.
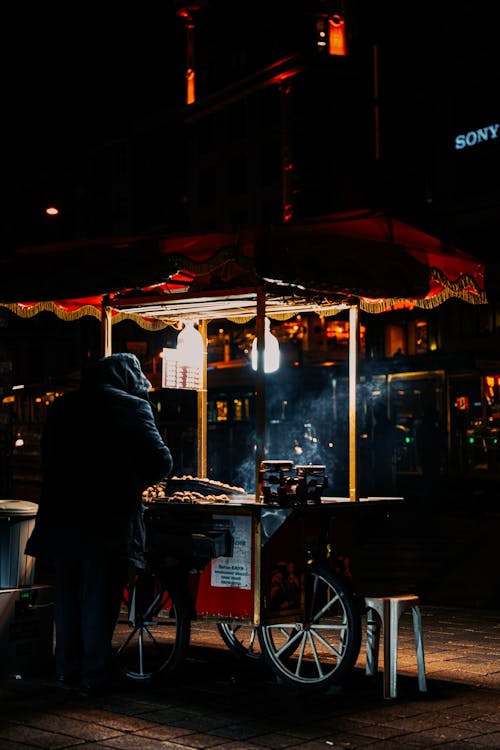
271	349
190	346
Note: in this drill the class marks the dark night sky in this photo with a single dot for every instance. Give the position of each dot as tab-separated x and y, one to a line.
69	66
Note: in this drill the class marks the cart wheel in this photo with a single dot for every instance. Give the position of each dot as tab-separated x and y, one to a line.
241	640
153	632
323	650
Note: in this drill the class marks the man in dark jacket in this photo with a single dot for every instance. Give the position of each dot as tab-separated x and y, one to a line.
100	449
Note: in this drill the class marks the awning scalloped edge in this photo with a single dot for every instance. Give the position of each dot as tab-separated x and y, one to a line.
149	324
324	312
29	311
464	288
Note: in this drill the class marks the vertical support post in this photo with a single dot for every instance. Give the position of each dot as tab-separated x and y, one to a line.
202	406
353	382
257	569
260	392
106	327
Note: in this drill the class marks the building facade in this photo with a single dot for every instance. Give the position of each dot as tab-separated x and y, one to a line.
286	111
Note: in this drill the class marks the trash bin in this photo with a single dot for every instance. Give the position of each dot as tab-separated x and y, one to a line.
17	519
26	631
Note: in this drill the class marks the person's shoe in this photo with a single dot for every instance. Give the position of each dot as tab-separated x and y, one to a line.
105	685
87	690
67	681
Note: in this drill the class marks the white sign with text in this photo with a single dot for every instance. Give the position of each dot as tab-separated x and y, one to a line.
235	571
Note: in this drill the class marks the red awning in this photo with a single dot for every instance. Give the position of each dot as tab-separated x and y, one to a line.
381	260
363	255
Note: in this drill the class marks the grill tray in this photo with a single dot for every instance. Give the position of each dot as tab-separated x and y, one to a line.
188	489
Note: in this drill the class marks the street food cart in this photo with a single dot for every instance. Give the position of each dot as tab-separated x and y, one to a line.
272	567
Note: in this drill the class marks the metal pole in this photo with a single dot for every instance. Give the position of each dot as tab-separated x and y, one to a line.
353	382
106	327
202	406
260	392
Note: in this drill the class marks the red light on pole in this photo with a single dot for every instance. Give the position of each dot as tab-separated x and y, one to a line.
336	36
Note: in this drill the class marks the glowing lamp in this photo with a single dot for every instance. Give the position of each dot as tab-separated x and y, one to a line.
190	346
271	349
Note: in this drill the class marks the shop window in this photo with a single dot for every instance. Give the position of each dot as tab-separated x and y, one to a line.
221	410
241	409
330	30
217	410
491	389
407	338
337	334
421	337
395	340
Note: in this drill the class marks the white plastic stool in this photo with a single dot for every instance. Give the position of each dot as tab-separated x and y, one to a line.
386	611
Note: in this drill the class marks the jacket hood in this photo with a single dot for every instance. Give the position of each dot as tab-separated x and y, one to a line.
121	371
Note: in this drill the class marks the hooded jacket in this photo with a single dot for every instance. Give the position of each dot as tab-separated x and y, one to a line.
100	449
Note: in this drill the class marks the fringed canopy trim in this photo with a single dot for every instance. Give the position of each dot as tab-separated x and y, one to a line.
30	310
442	289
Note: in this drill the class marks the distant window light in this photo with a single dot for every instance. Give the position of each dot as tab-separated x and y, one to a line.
221	409
336	36
190	86
331	35
238	409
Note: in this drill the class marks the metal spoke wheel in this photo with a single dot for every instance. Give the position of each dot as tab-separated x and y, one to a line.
154	629
241	639
322	650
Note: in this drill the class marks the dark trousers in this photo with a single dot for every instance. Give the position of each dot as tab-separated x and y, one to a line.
87	604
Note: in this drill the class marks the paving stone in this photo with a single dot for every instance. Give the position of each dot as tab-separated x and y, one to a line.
217	703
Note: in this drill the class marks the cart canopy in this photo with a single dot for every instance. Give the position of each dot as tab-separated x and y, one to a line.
339	259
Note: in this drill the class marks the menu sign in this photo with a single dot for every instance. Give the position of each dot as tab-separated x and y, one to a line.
178	374
235	571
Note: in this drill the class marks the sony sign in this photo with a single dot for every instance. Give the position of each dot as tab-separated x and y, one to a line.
473	137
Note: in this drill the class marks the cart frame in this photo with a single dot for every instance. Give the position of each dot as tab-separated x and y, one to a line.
295	642
288	597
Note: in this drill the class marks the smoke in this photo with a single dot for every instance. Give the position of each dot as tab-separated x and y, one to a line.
305	426
244	475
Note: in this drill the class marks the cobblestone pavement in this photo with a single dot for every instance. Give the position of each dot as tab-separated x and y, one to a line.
220	702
